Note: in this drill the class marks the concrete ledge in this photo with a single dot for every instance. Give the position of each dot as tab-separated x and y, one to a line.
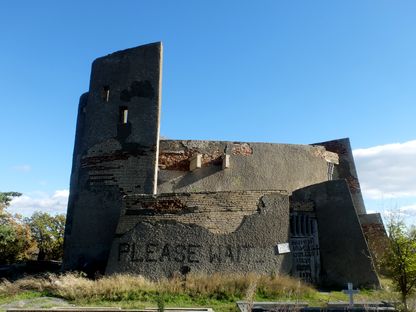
245	306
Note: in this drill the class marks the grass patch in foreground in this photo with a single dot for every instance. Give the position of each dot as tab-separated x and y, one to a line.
219	291
28	294
173	301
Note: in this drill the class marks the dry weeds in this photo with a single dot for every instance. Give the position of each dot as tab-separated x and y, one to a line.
74	286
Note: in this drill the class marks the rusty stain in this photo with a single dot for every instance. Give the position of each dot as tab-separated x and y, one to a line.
354	184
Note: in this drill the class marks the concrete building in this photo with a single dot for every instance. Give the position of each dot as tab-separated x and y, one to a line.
157	207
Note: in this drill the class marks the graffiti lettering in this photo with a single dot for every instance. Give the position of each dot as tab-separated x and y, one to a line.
190	253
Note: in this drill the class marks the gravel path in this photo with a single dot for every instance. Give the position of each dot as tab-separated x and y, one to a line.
41	302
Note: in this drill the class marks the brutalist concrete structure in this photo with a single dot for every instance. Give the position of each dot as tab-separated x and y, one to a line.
154	207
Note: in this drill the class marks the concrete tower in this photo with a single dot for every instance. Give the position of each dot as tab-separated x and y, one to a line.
116	150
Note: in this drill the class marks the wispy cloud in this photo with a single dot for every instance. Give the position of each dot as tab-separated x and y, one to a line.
406	213
22	168
387	171
26	204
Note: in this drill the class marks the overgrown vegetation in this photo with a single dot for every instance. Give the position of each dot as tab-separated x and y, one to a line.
399	260
219	291
124	287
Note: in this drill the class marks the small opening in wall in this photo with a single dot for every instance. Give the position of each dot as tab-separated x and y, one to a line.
124	112
106	93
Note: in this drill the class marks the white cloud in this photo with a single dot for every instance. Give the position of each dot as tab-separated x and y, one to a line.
26	204
22	168
409	210
387	171
406	213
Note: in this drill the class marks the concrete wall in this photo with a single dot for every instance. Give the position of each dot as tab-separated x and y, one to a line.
346	169
218	212
168	234
345	256
112	157
253	166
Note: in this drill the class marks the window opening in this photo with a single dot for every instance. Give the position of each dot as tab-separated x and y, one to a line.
106	93
124	113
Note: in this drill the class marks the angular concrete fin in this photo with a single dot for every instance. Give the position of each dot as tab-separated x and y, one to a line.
346	169
345	255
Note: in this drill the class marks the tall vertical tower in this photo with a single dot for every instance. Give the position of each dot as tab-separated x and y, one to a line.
115	152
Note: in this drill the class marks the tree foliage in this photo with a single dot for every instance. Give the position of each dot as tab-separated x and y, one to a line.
400	258
5	199
48	231
15	237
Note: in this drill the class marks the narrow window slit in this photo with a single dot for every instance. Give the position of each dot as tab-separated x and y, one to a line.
106	93
124	112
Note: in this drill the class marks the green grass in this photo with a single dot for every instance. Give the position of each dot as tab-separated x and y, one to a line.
218	291
28	294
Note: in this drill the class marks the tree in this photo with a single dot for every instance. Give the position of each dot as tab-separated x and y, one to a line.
48	231
15	237
5	199
400	258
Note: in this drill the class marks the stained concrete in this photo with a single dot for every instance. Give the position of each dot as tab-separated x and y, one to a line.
157	248
252	166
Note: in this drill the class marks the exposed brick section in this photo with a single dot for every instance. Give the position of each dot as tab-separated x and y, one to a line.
335	147
353	184
174	161
219	212
179	160
214	159
95	160
242	149
108	166
377	241
172	206
339	147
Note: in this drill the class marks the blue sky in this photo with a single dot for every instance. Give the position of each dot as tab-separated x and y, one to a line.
265	71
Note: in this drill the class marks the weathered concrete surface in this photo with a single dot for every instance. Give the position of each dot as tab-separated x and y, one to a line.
345	255
346	169
253	166
217	225
371	218
112	157
157	247
218	212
